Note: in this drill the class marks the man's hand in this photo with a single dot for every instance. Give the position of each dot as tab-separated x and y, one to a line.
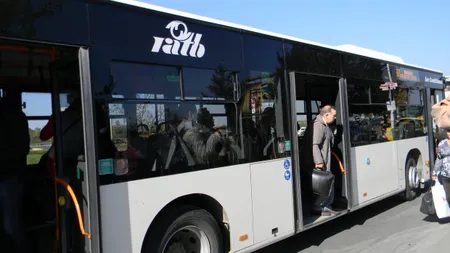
319	166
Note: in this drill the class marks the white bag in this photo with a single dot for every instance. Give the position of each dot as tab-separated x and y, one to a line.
440	200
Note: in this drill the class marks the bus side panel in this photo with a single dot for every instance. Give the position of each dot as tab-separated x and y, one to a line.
376	170
405	146
128	209
272	196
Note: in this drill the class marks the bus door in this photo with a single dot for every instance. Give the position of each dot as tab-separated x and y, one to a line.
45	82
75	152
309	94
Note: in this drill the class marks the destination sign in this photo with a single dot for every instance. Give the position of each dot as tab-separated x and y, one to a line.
407	74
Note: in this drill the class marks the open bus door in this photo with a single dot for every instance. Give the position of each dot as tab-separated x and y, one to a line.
75	195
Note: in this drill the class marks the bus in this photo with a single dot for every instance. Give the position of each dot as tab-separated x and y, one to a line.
191	129
447	84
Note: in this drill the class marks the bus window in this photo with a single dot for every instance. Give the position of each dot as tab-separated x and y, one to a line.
152	128
263	97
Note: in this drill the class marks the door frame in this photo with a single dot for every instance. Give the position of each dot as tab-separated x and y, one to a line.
343	113
92	212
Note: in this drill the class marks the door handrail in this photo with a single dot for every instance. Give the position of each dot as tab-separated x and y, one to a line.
77	206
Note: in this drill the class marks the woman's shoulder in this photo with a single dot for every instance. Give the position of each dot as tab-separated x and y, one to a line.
442	143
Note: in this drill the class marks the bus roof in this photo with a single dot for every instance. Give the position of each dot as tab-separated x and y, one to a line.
352	49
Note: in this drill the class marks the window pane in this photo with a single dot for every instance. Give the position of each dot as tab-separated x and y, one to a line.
201	83
37	104
357	93
264	100
131	79
377	95
40	104
201	135
370	123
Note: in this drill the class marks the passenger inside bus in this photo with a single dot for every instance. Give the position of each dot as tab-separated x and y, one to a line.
15	146
72	131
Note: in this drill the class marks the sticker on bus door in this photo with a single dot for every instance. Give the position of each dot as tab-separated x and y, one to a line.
105	167
287	166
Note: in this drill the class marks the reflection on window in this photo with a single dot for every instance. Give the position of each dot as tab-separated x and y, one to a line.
202	83
164	138
119	133
262	119
129	79
358	93
378	96
370	119
156	133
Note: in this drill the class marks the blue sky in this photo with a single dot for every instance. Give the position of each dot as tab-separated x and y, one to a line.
417	31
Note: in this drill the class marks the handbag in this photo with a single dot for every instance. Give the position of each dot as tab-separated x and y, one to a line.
440	200
440	112
427	206
322	182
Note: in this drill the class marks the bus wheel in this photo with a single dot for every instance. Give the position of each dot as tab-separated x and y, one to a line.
187	229
412	178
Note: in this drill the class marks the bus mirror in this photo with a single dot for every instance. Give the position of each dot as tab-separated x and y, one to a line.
24	105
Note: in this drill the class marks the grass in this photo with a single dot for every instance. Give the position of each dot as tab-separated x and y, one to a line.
35	155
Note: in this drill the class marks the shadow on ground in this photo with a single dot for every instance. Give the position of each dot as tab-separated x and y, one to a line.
315	236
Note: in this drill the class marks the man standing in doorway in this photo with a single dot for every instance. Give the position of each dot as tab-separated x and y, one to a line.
321	140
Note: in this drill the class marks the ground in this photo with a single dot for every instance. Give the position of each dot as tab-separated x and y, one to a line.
390	226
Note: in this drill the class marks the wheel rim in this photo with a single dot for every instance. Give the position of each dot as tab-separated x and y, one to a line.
188	239
413	177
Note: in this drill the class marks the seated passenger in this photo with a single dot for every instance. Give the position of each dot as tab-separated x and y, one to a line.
205	142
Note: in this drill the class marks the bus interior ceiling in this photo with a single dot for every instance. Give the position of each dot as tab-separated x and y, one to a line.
28	72
313	92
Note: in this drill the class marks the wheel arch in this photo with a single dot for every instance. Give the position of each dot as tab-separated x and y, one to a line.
416	154
202	201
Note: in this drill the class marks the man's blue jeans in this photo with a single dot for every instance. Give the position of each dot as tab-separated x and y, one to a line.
11	196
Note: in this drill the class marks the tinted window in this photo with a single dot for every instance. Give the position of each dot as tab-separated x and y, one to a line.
370	119
156	135
360	67
264	100
367	121
310	59
57	21
130	79
203	83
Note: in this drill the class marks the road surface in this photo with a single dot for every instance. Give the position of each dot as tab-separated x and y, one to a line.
388	226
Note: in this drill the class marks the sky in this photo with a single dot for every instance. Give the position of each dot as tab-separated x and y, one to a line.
417	31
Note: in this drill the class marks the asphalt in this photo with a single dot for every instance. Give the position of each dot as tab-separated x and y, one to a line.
391	225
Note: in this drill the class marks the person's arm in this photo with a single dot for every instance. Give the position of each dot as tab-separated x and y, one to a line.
318	135
438	165
47	131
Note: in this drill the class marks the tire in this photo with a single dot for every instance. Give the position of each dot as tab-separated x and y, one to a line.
173	232
410	194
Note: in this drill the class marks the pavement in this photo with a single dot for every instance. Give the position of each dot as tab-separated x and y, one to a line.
391	225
